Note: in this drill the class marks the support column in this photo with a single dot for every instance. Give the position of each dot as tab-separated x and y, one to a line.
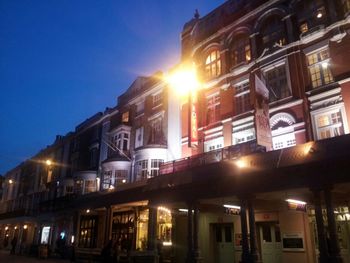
334	244
189	233
253	40
322	243
152	229
290	30
253	247
196	251
107	223
245	245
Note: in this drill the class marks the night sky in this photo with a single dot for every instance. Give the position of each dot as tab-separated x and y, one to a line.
61	61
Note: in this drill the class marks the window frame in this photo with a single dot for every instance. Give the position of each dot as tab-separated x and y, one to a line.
318	62
328	111
212	64
239	50
213	108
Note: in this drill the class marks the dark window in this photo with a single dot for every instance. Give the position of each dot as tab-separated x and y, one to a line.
242	98
213	109
277	84
273	33
241	50
277	234
266	233
218	234
228	234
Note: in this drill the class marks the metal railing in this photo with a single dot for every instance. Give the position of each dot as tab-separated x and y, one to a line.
230	152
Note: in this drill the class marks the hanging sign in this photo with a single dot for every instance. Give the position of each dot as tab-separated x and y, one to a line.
262	118
193	121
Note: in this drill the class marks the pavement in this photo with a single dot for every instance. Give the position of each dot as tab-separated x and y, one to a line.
5	257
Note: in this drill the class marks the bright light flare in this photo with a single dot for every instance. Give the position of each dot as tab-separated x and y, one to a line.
294	201
48	162
241	164
183	81
232	206
25	226
10	181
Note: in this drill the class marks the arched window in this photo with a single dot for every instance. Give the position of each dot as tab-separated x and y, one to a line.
273	32
213	64
241	52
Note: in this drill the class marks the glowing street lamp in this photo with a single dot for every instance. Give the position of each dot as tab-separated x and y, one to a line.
10	181
185	83
184	80
48	162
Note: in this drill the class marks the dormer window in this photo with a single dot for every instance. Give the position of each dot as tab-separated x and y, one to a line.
213	64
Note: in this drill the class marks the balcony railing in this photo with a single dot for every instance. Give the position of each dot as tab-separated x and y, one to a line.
230	152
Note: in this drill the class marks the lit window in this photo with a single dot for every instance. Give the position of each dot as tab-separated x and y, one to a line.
155	164
121	177
319	68
214	144
213	64
90	186
242	97
283	141
303	27
125	117
243	134
213	109
88	231
346	6
241	50
329	123
276	82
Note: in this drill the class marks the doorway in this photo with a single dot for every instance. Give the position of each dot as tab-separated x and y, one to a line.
223	243
270	242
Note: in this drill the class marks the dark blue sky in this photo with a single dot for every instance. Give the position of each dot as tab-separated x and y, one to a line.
61	61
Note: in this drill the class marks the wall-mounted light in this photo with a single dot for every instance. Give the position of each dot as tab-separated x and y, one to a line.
6	228
87	211
25	226
10	181
124	181
319	13
325	65
294	201
48	162
232	206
